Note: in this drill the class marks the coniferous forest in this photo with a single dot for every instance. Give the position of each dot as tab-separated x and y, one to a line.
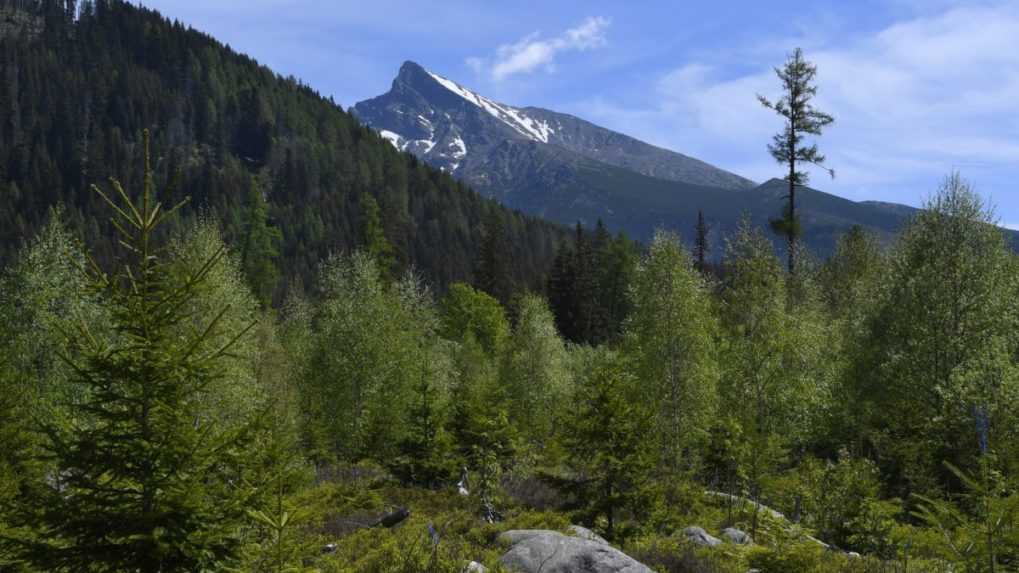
240	332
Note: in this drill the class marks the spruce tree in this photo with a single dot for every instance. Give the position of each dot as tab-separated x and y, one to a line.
374	236
788	148
560	287
700	245
260	247
607	441
493	274
142	481
617	265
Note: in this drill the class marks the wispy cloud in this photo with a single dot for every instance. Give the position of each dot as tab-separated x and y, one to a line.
534	52
912	102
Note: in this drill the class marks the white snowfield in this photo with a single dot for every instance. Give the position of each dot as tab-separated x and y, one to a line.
511	116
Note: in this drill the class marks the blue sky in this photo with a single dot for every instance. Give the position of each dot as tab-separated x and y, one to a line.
918	87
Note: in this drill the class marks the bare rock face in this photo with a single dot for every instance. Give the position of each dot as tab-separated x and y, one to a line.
547	551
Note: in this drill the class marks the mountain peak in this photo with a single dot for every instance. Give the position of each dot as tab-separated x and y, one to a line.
460	130
411	73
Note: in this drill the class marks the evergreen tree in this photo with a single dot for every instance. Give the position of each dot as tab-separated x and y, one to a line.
260	246
617	265
21	474
579	283
561	279
275	540
374	236
480	423
585	289
493	274
145	483
801	119
700	245
426	453
607	445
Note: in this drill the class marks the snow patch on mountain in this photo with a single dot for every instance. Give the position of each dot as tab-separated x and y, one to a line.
459	147
391	137
511	116
422	146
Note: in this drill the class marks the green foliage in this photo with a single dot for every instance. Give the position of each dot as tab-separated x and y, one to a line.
471	314
260	246
588	285
20	474
427	452
536	370
608	446
374	236
670	340
223	292
755	383
370	340
979	528
143	480
941	343
42	297
837	500
480	423
493	273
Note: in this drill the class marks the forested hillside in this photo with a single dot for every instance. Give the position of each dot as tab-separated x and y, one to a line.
81	81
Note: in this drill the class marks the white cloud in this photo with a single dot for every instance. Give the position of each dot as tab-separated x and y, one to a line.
534	52
912	102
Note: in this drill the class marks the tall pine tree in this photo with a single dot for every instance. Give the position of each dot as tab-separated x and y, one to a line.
261	246
788	148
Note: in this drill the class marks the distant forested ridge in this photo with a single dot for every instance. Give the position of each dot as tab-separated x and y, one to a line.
80	81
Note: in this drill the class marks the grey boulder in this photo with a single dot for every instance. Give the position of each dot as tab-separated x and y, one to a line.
535	550
733	535
698	536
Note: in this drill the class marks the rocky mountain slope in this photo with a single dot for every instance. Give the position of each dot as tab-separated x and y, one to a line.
566	169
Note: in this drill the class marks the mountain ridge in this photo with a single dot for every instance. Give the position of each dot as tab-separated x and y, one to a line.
428	114
570	170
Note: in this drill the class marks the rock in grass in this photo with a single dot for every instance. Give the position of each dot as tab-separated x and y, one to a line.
546	551
739	537
698	536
